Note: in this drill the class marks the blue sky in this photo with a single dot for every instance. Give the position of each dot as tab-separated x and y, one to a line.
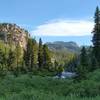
40	16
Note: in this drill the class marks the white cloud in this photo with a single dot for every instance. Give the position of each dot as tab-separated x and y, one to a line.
64	28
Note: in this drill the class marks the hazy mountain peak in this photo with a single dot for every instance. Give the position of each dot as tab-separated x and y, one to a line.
61	45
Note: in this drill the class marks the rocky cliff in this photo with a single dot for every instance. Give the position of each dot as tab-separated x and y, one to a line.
13	34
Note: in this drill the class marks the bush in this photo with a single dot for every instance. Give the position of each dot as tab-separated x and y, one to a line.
25	87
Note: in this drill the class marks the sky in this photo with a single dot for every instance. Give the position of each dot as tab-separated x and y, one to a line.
52	20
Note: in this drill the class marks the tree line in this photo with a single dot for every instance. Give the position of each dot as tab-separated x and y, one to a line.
35	55
89	59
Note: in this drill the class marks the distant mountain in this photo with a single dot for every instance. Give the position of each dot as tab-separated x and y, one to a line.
63	52
64	46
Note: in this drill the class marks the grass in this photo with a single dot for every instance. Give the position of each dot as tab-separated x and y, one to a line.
25	87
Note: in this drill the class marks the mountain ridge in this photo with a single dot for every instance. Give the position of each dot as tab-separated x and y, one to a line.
70	46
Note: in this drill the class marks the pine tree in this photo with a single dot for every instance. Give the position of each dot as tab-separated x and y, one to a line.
40	54
83	67
96	36
84	57
27	54
30	54
93	64
2	58
5	40
18	54
33	54
11	61
72	64
46	56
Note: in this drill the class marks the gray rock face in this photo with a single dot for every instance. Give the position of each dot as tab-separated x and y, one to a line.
60	45
13	34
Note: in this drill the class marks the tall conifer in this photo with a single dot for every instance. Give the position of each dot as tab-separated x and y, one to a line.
96	36
40	54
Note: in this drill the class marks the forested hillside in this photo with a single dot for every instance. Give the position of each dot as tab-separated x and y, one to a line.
21	53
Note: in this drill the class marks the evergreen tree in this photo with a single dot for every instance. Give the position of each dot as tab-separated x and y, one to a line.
84	57
33	54
96	36
2	58
40	54
94	64
18	54
24	63
11	61
27	54
3	68
46	56
72	64
5	40
83	67
30	54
